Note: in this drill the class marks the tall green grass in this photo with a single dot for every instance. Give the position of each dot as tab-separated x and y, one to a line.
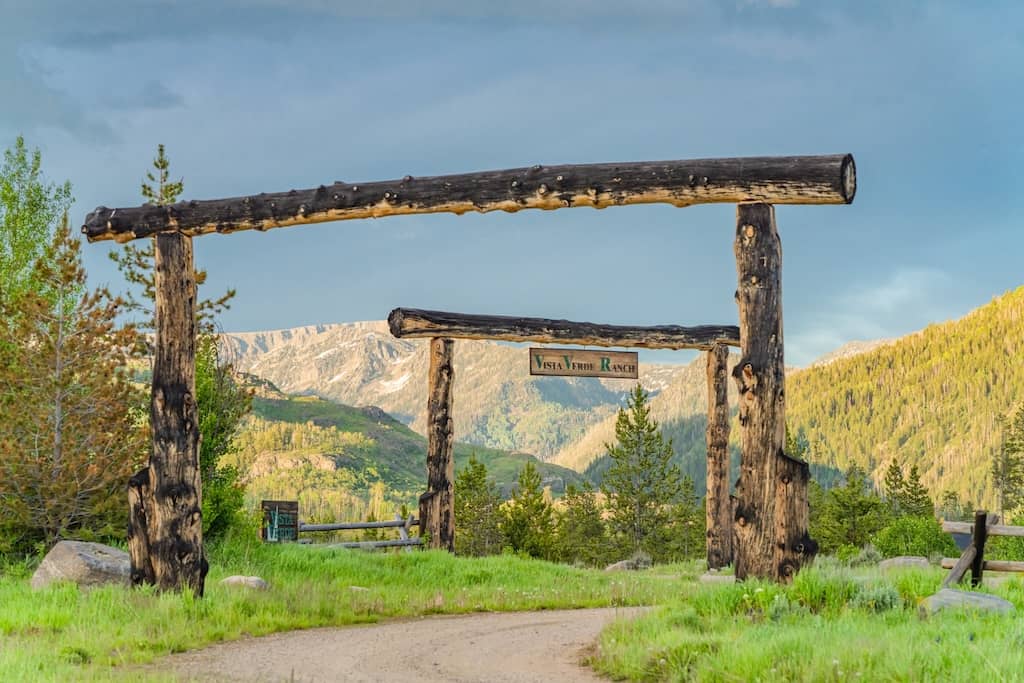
63	633
830	624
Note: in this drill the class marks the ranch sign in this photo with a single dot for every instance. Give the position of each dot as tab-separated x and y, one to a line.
576	363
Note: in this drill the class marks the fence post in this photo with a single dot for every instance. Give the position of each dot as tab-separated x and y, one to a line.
979	536
719	503
437	518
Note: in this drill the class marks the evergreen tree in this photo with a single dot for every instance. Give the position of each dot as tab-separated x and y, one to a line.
893	487
915	500
688	527
477	512
642	482
221	401
581	535
1008	464
528	524
849	515
71	431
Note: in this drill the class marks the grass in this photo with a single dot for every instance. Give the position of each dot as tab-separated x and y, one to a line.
831	624
63	633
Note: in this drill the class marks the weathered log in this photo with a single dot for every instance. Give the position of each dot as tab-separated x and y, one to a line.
166	525
437	517
829	179
369	545
960	567
719	503
412	322
349	526
993	529
771	516
990	565
978	538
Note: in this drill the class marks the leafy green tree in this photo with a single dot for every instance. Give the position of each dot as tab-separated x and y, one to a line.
642	482
71	431
581	535
221	401
528	524
849	515
1008	464
915	500
914	535
30	214
477	512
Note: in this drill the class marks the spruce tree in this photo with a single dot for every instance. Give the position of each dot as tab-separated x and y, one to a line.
477	508
849	515
1008	464
688	527
642	482
893	486
915	500
71	433
528	524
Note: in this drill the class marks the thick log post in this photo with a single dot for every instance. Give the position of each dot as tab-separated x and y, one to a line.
771	516
437	519
719	503
165	530
978	537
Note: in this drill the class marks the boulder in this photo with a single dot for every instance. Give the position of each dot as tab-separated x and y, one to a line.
904	561
948	598
86	564
253	582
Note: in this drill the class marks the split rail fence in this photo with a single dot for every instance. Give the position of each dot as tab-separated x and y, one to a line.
281	524
973	557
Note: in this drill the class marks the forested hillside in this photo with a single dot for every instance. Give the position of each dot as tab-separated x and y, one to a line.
934	399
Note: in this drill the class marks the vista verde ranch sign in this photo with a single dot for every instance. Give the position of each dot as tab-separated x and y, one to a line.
576	363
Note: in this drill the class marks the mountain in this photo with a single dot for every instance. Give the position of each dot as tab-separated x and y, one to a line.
336	459
497	403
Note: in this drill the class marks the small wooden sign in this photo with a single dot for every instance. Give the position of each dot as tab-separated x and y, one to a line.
280	520
577	363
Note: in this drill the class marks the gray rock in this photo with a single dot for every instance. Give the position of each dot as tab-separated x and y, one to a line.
904	561
621	566
948	598
253	582
717	577
86	564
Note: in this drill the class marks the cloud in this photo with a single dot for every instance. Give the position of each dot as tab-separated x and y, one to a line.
153	95
908	299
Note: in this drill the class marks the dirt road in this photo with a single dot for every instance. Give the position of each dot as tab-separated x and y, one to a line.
496	648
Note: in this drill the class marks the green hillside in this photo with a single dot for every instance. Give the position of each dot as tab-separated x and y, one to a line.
934	398
345	462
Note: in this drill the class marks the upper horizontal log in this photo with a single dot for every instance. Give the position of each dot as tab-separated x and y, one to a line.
411	322
829	179
348	526
993	529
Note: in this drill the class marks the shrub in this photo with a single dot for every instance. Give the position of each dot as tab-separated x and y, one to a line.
914	536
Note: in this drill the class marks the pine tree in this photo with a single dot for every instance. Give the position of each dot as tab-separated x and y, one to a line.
477	509
915	500
1008	464
71	432
849	515
528	524
688	527
893	487
642	482
581	536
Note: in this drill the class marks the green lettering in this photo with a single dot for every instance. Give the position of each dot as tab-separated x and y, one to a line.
605	364
540	360
568	362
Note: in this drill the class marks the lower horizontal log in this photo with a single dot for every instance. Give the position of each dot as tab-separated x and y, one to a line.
993	529
990	565
412	322
399	543
350	526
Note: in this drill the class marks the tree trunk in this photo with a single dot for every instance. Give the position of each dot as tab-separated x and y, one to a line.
719	503
827	179
411	322
771	515
165	531
437	520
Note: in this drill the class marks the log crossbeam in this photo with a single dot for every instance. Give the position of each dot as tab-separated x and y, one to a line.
827	179
412	323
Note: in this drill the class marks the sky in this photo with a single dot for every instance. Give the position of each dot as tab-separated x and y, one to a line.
271	95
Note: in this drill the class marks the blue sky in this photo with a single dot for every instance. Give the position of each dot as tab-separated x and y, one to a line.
273	95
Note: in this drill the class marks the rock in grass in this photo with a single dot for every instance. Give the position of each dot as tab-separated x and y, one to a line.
904	561
86	564
948	598
253	582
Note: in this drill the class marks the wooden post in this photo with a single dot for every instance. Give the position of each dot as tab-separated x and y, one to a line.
165	528
771	515
437	519
978	538
719	504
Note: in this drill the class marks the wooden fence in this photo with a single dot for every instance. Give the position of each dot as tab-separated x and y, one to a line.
973	557
280	523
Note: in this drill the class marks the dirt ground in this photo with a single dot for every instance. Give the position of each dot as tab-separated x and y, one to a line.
496	648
